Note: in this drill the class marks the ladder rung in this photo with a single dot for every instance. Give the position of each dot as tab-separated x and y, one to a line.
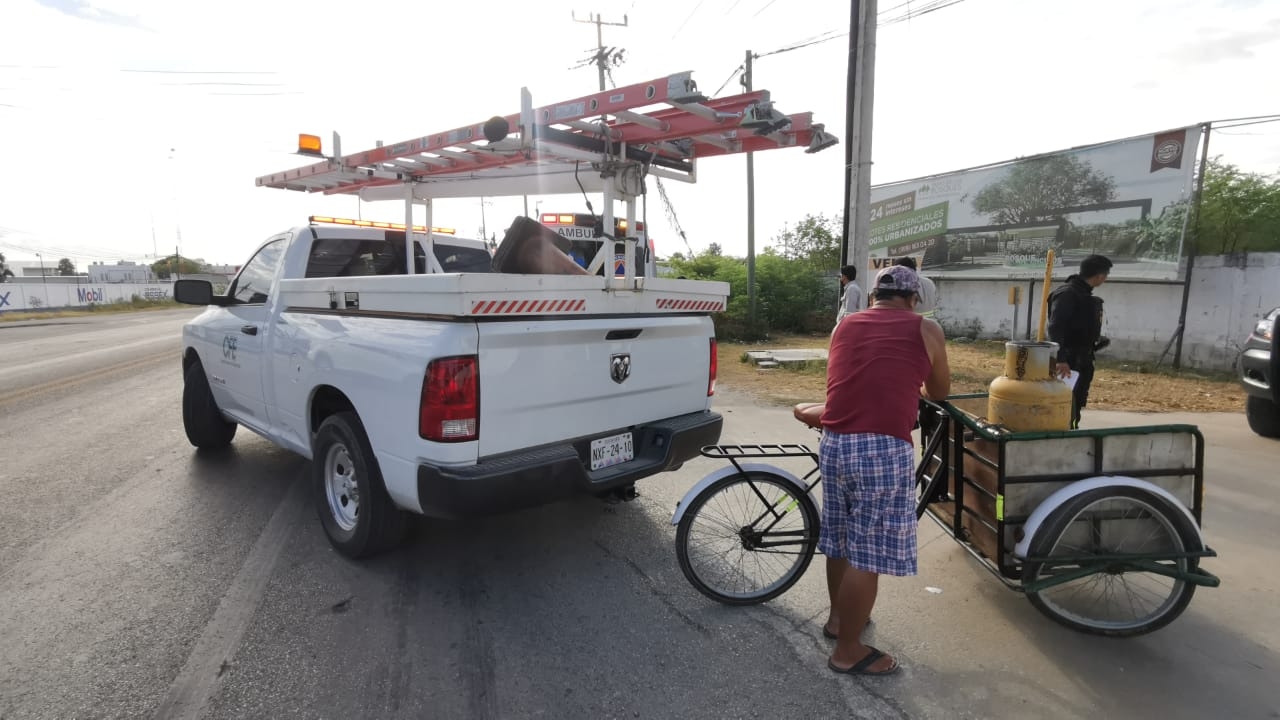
456	155
705	112
645	120
429	160
593	128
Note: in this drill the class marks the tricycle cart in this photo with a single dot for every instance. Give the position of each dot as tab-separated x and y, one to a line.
1099	528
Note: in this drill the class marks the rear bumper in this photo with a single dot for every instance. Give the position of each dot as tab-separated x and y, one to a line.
541	475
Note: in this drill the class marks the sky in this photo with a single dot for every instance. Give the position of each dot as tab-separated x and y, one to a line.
130	127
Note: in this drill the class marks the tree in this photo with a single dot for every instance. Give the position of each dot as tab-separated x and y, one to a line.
1239	211
164	267
1039	190
815	242
5	272
66	267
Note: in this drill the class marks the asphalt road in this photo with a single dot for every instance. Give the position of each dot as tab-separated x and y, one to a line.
139	579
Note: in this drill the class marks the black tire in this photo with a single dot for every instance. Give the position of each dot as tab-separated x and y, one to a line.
358	516
757	492
206	427
1263	415
1161	527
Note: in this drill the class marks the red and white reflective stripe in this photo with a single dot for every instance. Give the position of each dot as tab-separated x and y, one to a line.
526	307
693	305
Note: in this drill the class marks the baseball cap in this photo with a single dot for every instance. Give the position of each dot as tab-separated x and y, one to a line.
898	277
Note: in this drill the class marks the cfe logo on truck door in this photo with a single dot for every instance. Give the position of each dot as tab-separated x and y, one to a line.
620	367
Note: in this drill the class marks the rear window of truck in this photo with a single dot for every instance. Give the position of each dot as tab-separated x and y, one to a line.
352	257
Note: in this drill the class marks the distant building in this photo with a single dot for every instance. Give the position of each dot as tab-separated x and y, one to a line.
124	271
224	270
30	268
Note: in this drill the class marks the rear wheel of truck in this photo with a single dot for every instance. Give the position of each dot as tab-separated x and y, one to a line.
206	428
1263	415
355	510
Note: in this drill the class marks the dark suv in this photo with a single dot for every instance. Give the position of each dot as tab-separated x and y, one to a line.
1259	367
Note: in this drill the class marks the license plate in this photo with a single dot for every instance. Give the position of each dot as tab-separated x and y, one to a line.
612	450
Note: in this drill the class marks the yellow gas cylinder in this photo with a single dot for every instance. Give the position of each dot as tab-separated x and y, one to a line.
1028	397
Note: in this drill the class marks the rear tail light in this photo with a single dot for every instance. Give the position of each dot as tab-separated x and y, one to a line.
450	406
711	372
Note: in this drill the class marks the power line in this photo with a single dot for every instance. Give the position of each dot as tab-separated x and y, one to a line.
802	45
687	19
1241	122
922	10
766	7
728	80
895	7
671	215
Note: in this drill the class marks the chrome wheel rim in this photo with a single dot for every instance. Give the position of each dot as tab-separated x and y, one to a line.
342	487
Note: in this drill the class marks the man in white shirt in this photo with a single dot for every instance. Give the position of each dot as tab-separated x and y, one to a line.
928	291
851	301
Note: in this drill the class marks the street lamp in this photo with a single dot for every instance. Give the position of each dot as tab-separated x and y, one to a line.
44	280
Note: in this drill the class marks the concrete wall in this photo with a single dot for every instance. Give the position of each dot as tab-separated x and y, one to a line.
1229	293
29	295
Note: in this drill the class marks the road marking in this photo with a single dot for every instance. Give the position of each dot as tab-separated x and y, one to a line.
69	381
202	675
79	355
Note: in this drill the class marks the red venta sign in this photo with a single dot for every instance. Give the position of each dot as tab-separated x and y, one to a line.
1167	149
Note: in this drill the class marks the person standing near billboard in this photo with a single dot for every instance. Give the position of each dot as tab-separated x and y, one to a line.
851	297
928	291
1075	324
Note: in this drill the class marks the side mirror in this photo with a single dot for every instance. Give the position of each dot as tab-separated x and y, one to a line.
193	292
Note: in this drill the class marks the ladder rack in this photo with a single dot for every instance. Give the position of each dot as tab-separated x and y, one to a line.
664	123
604	142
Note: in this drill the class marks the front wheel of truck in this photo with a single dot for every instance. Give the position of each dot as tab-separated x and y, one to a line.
357	514
204	423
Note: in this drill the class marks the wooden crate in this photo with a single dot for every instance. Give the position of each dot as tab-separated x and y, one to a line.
977	502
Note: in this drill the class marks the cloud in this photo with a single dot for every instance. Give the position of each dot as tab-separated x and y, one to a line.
83	10
1218	45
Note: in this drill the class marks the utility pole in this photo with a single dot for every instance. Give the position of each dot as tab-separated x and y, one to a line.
860	87
601	58
751	214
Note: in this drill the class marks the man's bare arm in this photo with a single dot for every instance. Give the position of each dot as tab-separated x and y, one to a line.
938	385
809	413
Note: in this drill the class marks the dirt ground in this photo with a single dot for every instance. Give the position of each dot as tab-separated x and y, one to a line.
1116	385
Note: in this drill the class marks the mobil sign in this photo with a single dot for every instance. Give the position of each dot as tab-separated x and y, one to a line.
89	295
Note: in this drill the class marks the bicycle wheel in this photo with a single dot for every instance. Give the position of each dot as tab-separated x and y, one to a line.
747	538
1119	599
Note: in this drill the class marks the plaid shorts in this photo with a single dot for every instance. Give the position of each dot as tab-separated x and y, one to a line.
869	502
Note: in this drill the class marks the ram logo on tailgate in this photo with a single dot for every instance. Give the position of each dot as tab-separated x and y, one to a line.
620	367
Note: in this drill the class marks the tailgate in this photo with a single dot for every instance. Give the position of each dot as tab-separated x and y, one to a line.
548	381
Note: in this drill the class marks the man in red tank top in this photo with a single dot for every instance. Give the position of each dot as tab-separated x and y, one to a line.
878	361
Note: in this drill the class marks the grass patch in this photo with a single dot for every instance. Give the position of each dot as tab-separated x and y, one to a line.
1117	384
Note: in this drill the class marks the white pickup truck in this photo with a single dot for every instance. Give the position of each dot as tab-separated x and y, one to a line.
450	393
419	379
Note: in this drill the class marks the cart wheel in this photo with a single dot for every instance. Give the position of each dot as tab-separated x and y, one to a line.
1118	599
747	538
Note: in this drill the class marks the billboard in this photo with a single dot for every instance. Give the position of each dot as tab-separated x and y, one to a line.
1126	199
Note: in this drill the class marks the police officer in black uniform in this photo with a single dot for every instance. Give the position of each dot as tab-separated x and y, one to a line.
1075	324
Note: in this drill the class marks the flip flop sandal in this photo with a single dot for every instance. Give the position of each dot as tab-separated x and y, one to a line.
860	667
